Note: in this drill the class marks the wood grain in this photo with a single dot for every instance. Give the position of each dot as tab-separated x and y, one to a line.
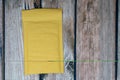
14	69
68	35
95	39
1	37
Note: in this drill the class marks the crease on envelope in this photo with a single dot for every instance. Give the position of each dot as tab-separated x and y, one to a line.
43	45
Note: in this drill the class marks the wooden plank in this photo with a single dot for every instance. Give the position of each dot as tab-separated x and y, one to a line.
1	37
95	39
14	69
118	70
68	34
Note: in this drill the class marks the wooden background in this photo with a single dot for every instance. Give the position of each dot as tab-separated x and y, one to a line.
95	39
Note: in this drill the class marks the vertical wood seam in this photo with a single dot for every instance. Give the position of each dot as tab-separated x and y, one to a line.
75	27
40	3
3	45
116	40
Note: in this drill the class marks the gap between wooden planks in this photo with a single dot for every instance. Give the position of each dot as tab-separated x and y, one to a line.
1	39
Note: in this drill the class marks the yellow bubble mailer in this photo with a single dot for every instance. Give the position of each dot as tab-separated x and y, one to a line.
43	45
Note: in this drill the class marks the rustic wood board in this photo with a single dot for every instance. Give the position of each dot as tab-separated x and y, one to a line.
96	39
118	70
68	35
1	37
14	40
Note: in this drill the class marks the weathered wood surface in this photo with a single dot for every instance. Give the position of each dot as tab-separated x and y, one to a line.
1	38
14	67
68	34
118	70
96	39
